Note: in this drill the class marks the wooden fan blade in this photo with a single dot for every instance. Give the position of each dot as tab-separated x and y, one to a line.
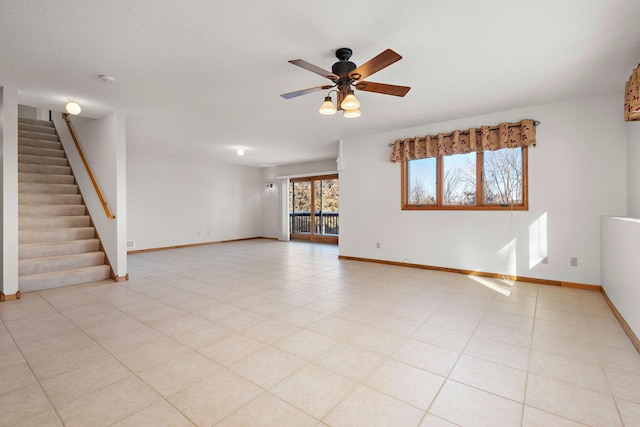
383	88
375	64
305	91
314	69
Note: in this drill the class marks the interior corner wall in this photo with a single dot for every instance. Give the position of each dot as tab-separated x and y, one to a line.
9	190
103	143
620	255
577	173
272	197
175	200
633	168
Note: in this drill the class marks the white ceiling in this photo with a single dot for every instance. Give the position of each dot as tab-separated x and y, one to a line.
204	76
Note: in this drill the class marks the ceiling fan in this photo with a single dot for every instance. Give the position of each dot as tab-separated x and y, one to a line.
345	76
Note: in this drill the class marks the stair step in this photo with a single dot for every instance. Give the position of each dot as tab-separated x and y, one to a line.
49	199
38	282
45	123
42	178
33	127
59	263
27	142
39	223
42	160
46	188
37	135
44	169
39	250
56	235
25	211
39	151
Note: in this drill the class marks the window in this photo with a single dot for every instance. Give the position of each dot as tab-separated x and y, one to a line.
484	180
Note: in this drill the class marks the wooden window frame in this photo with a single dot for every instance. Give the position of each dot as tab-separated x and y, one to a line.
479	206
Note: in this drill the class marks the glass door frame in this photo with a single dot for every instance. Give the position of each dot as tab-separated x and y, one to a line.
312	236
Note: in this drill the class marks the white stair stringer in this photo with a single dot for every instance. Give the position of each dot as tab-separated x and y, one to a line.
57	243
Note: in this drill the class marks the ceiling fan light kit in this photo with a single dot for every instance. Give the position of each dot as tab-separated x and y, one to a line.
351	114
346	76
327	108
350	102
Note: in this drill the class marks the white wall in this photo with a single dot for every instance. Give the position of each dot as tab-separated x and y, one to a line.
171	199
620	255
27	112
272	196
103	142
577	173
9	190
633	168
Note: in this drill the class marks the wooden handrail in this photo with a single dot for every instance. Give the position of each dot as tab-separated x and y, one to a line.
107	211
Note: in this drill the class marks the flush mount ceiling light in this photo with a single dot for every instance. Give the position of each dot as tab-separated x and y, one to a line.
240	152
73	108
346	77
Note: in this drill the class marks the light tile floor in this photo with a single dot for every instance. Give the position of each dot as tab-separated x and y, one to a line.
266	333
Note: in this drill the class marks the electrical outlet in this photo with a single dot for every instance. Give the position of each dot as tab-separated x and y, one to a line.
573	261
377	245
198	234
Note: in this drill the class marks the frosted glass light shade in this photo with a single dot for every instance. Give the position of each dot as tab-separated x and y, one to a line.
327	108
350	102
352	114
73	108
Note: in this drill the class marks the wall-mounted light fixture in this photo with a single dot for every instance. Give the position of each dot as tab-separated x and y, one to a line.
73	108
240	151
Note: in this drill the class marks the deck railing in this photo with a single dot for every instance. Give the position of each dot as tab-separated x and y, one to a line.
325	222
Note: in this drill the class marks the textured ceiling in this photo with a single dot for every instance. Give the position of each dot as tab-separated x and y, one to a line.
204	76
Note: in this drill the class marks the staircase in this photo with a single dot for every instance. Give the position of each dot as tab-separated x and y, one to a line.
57	244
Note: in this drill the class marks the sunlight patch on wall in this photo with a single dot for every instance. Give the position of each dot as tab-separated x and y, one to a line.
508	254
538	241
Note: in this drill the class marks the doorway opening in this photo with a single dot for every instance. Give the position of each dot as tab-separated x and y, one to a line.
314	208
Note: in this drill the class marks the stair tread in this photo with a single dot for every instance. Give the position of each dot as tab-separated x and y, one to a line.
65	242
34	157
56	229
104	267
59	257
47	123
39	143
55	216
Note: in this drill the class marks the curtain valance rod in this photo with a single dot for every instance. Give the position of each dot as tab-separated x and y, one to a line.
464	132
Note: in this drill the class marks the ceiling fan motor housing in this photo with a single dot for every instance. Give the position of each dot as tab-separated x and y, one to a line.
344	66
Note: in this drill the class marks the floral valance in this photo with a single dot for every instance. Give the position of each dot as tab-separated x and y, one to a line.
632	97
485	138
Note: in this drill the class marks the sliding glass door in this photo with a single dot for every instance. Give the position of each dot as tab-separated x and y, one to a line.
320	223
